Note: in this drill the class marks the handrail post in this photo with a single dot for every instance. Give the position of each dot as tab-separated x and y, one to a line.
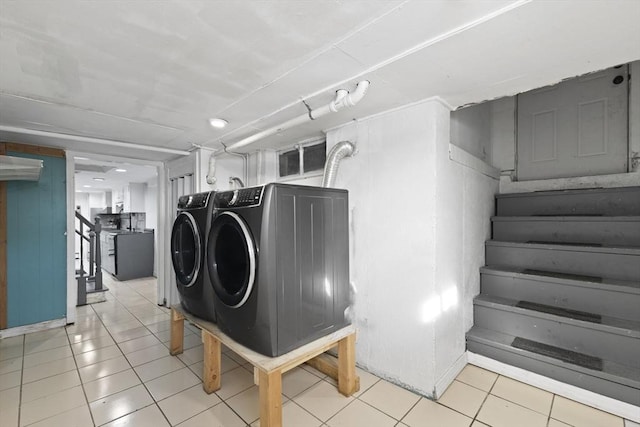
98	256
81	248
92	250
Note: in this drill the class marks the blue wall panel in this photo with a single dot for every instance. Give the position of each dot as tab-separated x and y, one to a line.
37	245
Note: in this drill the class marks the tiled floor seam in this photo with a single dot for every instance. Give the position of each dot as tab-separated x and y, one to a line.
21	379
521	406
155	402
553	399
378	409
84	392
475	418
411	409
131	367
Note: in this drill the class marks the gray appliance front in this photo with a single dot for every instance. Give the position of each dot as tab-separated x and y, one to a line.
279	265
313	265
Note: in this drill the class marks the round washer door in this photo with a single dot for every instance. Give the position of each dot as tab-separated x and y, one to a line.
231	259
186	250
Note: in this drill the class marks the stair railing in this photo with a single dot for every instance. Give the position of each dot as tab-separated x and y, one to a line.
92	237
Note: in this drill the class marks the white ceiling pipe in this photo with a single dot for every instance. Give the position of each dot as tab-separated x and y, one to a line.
343	99
92	140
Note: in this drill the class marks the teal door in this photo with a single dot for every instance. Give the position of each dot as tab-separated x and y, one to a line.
37	245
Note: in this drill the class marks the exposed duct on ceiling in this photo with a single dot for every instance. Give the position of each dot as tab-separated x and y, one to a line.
20	169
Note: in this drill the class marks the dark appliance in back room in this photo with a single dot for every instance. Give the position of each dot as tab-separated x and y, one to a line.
278	259
126	246
187	254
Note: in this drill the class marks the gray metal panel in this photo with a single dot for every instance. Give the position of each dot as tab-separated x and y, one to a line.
616	299
622	231
602	201
312	248
615	381
134	255
613	263
585	337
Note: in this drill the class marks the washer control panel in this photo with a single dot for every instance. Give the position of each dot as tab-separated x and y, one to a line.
193	201
241	198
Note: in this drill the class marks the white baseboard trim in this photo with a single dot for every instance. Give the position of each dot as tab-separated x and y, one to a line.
36	327
445	381
604	403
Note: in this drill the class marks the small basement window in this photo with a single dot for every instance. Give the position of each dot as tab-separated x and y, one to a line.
303	159
289	162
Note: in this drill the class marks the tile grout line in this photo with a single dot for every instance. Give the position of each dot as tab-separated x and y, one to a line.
84	392
518	404
553	398
475	417
131	367
24	344
154	402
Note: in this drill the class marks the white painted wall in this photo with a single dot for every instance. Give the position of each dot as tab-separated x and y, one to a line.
419	222
470	132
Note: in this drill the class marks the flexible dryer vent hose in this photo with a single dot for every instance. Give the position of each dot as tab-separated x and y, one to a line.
338	152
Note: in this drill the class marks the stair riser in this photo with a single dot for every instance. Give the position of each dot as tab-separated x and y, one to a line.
522	360
612	202
599	264
618	348
593	300
613	233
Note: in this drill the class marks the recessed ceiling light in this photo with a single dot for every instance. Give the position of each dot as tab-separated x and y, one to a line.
98	179
121	170
218	123
86	186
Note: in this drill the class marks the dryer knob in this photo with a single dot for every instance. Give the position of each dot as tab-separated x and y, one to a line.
234	199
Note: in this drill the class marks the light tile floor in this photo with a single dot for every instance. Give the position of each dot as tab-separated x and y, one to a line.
113	368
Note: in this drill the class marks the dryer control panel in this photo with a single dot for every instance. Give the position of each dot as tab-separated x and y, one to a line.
241	198
193	201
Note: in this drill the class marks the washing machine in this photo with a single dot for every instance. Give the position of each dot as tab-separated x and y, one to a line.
188	238
278	259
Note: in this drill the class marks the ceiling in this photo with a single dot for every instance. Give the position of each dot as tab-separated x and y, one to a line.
153	72
98	176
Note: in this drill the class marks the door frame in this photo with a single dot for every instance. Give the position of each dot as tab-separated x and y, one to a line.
161	229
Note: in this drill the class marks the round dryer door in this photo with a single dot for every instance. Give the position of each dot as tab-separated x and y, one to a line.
186	250
231	259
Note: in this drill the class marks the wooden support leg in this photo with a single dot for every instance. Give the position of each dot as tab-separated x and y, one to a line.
211	370
270	399
177	332
347	383
256	376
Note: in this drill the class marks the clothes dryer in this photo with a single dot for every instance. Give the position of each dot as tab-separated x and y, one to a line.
188	238
278	259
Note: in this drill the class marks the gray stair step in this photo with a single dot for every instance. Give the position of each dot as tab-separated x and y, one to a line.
617	263
614	298
610	338
599	201
614	380
605	230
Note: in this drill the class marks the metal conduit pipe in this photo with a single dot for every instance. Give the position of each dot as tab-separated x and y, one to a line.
343	99
338	152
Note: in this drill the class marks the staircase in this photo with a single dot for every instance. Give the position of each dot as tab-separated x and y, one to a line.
560	294
90	288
